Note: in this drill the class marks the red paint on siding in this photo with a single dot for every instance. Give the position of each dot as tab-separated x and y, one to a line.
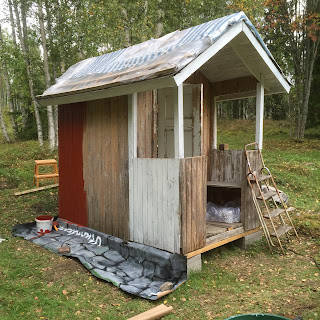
72	196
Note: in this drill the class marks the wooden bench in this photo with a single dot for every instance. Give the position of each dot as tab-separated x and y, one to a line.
41	176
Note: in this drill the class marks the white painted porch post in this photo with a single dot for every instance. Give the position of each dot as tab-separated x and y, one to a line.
259	113
132	153
178	123
214	124
132	125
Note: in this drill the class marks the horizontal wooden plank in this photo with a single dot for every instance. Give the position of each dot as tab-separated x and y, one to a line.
267	195
154	313
36	189
46	176
225	225
221	243
223	184
45	162
281	230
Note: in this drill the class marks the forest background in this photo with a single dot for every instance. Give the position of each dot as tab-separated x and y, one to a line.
40	40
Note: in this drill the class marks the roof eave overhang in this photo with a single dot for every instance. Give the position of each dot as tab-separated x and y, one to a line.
106	92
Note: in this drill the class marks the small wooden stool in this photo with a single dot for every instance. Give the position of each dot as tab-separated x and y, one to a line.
42	163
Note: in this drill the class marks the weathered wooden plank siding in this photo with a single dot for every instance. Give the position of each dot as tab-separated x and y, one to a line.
250	219
147	139
193	197
105	162
155	216
231	166
206	136
226	166
72	196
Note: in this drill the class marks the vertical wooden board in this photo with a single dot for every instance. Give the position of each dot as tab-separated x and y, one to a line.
158	232
164	198
204	199
135	191
188	172
148	203
196	96
141	125
149	124
168	214
161	124
72	196
194	202
200	197
176	217
183	206
155	123
141	185
145	124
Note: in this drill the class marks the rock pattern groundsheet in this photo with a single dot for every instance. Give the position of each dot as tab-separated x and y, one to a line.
135	268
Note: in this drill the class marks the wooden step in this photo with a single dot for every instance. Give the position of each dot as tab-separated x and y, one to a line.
47	176
267	195
45	162
261	177
274	213
281	230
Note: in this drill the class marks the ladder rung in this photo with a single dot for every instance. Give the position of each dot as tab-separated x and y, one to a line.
281	230
267	195
274	213
261	177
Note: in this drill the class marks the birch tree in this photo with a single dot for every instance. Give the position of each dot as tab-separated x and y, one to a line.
7	82
51	129
23	37
2	103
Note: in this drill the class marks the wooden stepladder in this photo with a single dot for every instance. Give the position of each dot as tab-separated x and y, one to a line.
41	176
273	214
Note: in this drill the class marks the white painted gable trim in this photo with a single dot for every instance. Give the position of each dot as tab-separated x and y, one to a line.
193	66
266	58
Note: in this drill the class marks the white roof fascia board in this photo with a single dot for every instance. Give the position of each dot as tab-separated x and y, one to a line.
95	94
193	66
266	58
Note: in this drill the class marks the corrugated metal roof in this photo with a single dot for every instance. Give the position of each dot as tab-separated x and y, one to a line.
150	59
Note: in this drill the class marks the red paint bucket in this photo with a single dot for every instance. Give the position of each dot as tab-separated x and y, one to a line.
44	224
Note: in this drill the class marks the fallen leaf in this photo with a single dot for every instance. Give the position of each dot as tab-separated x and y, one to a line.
65	292
36	298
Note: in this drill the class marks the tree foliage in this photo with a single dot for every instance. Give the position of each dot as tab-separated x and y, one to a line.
293	32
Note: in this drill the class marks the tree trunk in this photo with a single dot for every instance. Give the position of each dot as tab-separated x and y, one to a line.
159	25
23	36
13	29
127	32
51	133
310	60
8	86
3	126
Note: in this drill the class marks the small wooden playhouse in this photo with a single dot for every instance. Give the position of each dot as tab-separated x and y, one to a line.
138	154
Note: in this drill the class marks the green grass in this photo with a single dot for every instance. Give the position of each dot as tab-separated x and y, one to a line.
38	284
